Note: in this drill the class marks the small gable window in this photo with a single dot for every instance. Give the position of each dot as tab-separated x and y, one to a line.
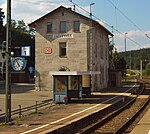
49	27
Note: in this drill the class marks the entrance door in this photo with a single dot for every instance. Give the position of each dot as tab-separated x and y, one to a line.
113	80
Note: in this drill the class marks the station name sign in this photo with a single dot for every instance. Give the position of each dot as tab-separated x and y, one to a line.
54	36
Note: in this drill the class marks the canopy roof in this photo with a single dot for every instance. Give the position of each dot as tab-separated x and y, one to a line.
73	72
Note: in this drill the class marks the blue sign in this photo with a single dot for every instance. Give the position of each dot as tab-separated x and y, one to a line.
31	69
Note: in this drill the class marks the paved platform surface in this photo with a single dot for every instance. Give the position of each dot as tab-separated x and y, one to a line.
143	127
23	94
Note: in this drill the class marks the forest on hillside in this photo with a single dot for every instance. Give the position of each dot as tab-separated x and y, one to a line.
133	58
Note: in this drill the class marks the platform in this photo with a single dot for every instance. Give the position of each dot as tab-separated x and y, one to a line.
143	127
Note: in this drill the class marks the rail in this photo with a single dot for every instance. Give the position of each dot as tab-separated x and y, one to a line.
129	121
96	125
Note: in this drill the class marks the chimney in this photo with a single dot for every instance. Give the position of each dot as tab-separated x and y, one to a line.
70	8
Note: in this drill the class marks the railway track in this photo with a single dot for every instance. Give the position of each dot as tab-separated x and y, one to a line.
81	121
117	121
133	117
81	125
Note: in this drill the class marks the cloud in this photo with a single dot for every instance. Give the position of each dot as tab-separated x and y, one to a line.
31	10
134	40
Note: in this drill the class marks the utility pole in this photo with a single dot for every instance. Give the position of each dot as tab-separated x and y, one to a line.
7	57
91	46
130	60
125	43
91	39
141	69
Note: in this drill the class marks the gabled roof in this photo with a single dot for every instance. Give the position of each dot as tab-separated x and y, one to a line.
33	24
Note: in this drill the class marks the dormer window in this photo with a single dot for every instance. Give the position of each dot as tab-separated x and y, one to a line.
76	26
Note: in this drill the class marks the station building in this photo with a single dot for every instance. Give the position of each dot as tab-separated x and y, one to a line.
68	41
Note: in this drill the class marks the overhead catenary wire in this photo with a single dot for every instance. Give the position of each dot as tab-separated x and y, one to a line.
110	26
147	36
123	34
126	16
116	18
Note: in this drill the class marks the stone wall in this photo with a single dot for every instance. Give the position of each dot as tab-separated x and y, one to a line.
77	49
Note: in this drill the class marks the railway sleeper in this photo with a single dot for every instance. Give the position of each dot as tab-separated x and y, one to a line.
77	124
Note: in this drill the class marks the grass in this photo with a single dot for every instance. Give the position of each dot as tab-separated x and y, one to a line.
3	125
38	112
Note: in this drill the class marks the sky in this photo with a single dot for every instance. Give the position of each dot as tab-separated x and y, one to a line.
125	16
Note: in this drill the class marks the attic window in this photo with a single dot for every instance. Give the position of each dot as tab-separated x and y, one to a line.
76	26
63	27
62	13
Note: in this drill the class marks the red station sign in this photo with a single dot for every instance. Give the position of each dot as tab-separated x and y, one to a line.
47	50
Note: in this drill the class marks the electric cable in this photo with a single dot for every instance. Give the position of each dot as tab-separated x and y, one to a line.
126	16
107	24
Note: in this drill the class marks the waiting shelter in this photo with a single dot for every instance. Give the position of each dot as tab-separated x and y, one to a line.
70	84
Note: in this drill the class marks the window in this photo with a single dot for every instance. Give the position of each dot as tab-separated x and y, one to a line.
60	83
63	27
62	49
76	26
49	27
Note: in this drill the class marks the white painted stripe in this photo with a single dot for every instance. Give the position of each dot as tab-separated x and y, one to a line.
76	113
81	111
35	129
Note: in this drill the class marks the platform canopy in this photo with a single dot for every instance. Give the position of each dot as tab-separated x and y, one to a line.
74	72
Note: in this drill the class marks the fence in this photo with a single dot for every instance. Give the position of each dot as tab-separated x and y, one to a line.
34	108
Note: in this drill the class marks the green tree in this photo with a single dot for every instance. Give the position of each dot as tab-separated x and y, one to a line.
133	57
22	36
147	70
2	16
144	57
111	49
117	63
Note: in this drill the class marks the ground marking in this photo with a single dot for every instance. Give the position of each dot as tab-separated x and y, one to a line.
76	113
